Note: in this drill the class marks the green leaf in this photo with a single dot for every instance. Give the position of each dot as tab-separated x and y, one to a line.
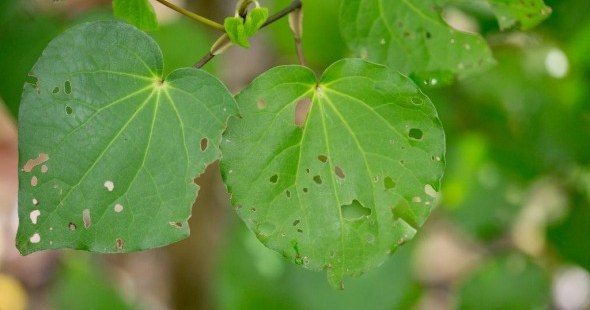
254	20
511	282
234	27
108	148
410	36
81	283
340	188
239	30
525	14
139	13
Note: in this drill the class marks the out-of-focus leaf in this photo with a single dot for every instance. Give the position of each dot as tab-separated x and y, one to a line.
251	276
109	149
410	36
476	194
182	43
139	13
22	40
525	14
322	41
346	168
81	284
569	236
505	283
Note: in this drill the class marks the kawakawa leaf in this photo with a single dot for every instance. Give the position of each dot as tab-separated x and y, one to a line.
334	174
522	13
411	36
109	149
139	13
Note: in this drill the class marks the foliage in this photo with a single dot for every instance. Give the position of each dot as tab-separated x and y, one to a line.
487	117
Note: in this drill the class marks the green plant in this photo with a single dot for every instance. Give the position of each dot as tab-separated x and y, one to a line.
334	172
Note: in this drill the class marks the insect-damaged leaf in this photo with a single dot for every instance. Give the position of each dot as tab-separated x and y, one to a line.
411	36
334	174
108	147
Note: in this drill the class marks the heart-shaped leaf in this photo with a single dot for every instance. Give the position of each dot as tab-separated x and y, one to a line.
109	149
334	174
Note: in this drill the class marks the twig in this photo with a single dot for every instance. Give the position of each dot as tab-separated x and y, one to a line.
193	16
295	5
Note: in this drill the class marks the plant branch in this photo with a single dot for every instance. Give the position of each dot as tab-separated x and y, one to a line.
295	5
193	16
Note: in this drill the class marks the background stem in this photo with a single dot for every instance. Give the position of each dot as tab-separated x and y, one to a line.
193	16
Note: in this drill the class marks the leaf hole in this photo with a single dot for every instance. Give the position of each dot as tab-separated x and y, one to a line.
415	133
69	110
274	179
300	230
288	193
355	211
109	185
261	104
72	226
204	144
31	79
68	87
86	218
55	90
118	208
35	238
176	225
34	181
44	169
305	190
339	172
323	158
430	191
301	111
317	179
32	163
428	35
119	244
296	222
34	216
35	202
388	183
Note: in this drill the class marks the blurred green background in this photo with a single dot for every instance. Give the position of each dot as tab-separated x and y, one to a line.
512	230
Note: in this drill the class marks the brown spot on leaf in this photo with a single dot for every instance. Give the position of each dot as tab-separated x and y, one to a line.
32	163
301	111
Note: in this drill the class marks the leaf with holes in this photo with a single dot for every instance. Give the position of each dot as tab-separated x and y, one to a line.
522	13
334	174
108	148
410	36
139	13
